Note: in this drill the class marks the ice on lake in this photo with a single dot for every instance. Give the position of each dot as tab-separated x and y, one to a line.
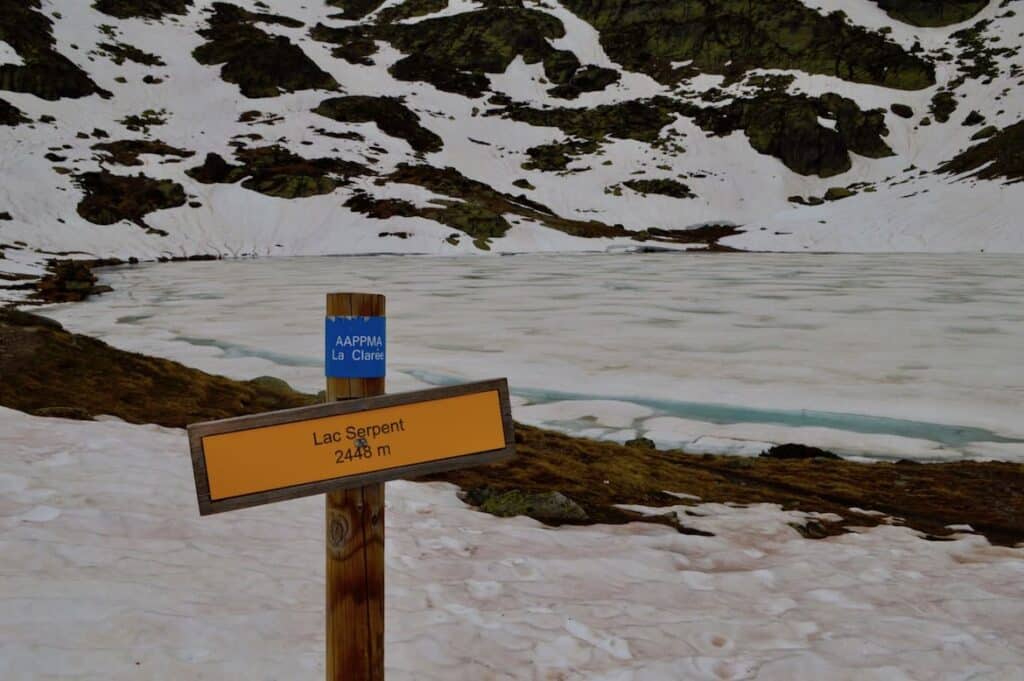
880	356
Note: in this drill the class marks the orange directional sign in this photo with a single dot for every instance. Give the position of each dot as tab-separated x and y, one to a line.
279	455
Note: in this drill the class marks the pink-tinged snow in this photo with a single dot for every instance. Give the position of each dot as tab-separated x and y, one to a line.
108	572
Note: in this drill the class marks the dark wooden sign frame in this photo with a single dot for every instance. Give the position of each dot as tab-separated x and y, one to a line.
197	431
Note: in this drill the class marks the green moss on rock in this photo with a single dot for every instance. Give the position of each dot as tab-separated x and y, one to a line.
662	186
556	156
731	37
786	126
932	13
276	171
45	72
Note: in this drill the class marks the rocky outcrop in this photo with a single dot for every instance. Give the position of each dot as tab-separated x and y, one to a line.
932	12
45	72
275	171
389	114
261	64
145	9
1000	156
732	37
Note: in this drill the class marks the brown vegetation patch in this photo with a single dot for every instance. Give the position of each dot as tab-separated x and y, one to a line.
45	367
110	198
127	152
49	371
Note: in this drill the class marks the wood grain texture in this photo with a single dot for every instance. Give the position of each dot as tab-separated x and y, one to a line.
199	430
355	541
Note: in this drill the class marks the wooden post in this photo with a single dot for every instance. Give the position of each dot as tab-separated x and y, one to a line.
355	540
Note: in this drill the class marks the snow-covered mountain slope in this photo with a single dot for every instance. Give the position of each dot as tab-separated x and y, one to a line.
159	128
109	573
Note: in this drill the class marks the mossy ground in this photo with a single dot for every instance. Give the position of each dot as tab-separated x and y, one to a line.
661	185
10	114
731	37
48	371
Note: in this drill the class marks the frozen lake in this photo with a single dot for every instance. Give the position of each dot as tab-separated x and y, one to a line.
880	356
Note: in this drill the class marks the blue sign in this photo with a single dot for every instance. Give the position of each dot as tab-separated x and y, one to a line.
354	347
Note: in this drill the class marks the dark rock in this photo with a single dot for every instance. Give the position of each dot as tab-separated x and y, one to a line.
999	156
121	52
798	451
838	193
549	506
733	37
943	105
641	443
389	114
974	118
10	114
261	64
932	13
127	152
662	186
45	72
276	171
984	133
902	110
147	9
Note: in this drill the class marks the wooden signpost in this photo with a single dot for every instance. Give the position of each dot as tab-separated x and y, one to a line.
347	449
